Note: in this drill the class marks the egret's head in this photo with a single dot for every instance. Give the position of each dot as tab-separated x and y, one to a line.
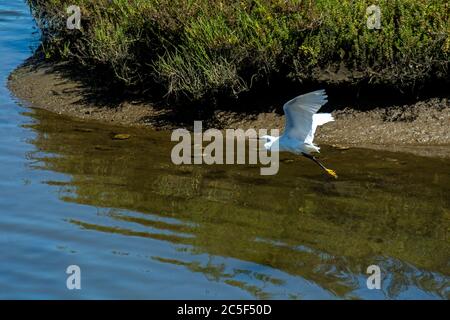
268	141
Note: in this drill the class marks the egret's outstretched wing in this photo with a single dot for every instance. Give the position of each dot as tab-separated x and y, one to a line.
301	120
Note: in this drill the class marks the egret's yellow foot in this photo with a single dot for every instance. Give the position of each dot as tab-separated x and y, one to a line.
332	173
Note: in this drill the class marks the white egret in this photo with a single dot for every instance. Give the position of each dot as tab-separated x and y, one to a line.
301	123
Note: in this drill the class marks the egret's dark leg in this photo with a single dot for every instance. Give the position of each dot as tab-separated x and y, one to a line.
328	171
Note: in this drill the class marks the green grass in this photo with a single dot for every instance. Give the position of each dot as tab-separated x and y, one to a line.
196	49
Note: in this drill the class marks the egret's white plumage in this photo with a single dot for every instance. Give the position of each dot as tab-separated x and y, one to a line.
302	121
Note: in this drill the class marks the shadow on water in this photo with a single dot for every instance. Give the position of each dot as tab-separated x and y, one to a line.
388	209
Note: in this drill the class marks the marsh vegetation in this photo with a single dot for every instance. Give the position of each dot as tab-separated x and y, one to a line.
197	49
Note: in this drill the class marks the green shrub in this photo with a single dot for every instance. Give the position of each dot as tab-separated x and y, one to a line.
198	48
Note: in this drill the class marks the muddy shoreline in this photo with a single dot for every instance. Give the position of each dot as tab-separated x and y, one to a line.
422	128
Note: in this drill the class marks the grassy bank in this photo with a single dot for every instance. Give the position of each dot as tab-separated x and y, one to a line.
194	49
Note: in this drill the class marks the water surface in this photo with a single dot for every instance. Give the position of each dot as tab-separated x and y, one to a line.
140	227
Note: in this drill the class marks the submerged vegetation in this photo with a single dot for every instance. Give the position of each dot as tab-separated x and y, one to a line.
199	48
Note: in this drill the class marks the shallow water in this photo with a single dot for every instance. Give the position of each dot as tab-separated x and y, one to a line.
140	227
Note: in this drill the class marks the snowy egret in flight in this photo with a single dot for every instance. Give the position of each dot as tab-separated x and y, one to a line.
302	121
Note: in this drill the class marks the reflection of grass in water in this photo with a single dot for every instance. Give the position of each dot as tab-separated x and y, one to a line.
216	272
127	232
371	214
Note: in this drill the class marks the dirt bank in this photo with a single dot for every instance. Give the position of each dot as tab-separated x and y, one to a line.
422	128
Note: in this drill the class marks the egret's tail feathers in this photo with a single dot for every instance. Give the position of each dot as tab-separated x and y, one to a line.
310	148
322	118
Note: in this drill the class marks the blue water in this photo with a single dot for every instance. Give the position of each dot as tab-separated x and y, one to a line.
141	228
